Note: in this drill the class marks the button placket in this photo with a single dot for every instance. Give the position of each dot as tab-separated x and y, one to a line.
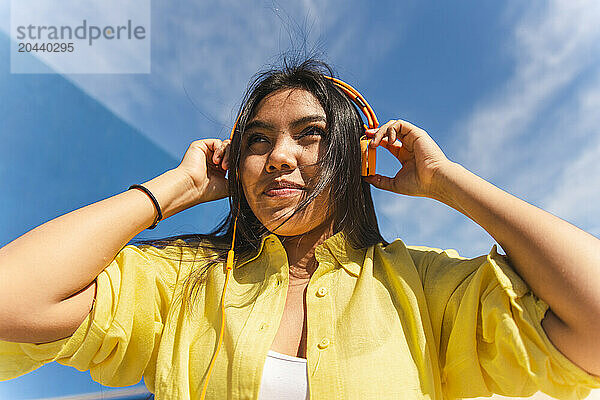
259	332
320	307
323	362
276	247
323	344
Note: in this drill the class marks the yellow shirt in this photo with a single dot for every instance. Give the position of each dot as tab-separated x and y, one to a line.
395	322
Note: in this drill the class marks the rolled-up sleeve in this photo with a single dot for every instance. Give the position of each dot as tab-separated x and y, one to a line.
488	327
117	340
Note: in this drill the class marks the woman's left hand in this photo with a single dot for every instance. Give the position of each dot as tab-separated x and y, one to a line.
420	156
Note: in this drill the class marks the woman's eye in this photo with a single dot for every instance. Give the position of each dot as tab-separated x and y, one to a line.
256	138
313	131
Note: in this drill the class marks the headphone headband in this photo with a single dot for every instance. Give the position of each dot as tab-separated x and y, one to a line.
359	100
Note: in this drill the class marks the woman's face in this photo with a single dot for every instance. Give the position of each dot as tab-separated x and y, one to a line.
281	145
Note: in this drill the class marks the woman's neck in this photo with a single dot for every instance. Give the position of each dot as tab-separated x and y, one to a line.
301	252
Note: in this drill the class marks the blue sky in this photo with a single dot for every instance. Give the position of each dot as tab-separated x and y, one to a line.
510	90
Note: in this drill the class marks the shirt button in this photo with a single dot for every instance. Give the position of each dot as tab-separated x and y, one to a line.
323	344
277	283
322	291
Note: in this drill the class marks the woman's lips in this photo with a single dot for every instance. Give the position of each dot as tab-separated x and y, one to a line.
283	191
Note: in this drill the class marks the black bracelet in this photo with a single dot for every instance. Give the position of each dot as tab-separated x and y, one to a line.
159	216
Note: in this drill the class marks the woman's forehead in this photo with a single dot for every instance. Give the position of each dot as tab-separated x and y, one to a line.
288	105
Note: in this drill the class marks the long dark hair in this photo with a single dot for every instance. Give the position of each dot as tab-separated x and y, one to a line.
350	203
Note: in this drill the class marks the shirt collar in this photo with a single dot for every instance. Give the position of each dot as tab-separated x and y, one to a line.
349	258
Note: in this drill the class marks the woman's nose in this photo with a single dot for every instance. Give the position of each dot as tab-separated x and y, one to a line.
282	157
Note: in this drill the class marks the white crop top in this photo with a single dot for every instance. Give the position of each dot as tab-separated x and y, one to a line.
284	378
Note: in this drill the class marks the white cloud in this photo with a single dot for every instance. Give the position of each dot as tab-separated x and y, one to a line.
211	50
553	45
576	188
537	135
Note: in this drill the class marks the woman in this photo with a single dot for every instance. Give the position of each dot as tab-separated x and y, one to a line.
319	303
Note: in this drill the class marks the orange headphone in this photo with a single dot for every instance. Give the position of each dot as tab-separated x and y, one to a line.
368	155
368	160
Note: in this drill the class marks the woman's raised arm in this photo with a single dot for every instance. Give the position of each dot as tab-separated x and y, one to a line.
559	262
47	274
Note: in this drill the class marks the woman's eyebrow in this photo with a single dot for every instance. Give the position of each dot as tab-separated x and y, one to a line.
294	124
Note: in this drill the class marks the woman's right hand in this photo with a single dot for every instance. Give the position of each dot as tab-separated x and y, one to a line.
205	162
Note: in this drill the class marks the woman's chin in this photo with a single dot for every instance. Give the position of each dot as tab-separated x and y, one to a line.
295	226
286	229
291	227
283	222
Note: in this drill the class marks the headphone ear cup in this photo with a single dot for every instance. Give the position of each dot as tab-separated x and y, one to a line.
368	157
